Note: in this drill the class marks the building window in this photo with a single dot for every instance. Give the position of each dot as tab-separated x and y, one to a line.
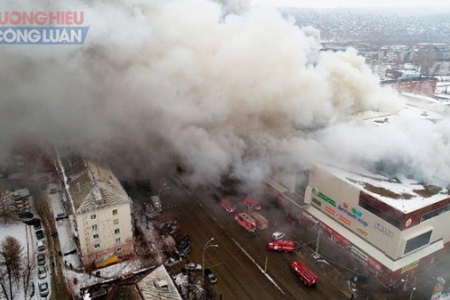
95	236
116	221
117	231
93	216
94	227
97	246
377	212
418	241
435	212
114	211
117	240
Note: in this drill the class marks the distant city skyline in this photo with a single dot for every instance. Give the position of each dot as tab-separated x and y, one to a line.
358	3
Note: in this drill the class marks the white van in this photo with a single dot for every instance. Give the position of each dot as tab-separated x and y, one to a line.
40	245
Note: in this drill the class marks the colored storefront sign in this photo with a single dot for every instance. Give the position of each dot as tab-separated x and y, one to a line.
362	232
353	213
410	267
324	197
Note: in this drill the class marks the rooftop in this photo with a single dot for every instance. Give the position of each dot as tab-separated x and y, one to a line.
400	193
92	186
386	181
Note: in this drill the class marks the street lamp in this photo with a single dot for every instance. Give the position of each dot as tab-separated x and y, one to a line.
203	254
412	292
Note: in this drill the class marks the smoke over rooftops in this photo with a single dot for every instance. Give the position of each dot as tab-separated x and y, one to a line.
159	82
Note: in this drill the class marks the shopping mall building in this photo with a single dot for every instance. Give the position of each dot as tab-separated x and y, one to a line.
393	226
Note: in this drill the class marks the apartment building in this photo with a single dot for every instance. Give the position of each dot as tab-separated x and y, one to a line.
100	212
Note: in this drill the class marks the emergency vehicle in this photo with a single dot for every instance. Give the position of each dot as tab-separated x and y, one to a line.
281	245
246	221
262	222
228	206
252	204
304	273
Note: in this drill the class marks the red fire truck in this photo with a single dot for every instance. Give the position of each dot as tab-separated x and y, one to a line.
252	203
304	273
246	221
262	222
281	245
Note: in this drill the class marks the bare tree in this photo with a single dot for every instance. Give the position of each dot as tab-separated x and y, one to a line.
28	267
11	262
7	208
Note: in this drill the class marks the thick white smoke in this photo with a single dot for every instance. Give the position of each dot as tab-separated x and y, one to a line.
187	81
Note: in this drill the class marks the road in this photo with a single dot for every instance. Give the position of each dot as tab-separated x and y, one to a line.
239	261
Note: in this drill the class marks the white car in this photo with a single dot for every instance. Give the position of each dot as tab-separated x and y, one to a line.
192	266
277	235
42	272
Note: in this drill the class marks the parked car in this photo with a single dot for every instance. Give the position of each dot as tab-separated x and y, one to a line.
41	259
173	260
40	245
61	216
186	240
26	215
184	250
39	234
210	276
42	272
228	206
169	228
22	209
37	225
192	266
278	235
43	289
33	221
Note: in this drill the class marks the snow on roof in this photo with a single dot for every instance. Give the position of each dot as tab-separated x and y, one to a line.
92	186
73	267
152	288
402	194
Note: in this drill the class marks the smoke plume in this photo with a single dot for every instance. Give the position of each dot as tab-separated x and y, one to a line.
215	86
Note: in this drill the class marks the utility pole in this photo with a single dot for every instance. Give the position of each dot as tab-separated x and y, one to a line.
265	264
316	252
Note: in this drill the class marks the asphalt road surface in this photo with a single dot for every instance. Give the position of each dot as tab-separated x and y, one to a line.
239	261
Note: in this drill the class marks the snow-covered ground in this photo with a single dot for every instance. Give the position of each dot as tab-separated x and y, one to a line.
73	270
25	235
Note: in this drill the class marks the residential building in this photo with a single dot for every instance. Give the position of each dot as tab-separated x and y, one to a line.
100	212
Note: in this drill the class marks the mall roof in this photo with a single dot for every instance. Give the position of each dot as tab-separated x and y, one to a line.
402	193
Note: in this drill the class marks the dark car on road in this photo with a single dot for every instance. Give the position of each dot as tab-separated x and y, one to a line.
183	250
39	234
186	240
210	276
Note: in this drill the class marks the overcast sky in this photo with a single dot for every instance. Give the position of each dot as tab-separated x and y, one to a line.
359	3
